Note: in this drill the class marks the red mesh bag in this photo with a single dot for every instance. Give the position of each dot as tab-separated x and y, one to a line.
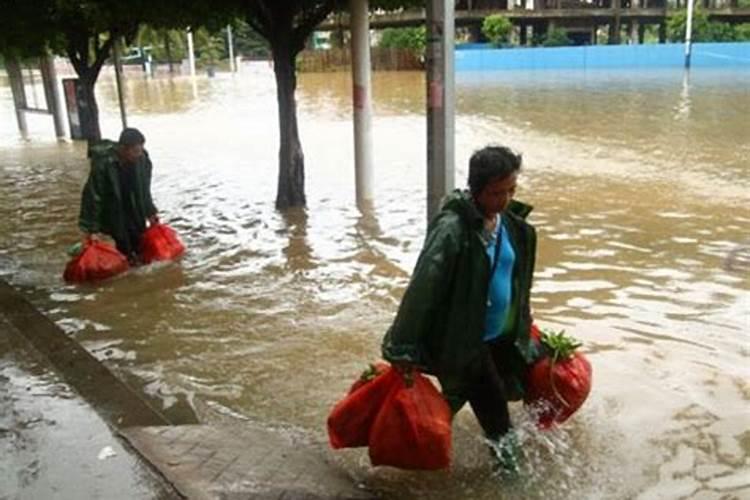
160	242
96	261
558	383
350	420
413	428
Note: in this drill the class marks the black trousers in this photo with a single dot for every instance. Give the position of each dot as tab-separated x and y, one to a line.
492	388
129	246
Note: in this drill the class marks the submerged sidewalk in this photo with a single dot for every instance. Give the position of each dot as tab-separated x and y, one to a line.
52	443
62	414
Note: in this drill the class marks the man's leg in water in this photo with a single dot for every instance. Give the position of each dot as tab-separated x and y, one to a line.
488	400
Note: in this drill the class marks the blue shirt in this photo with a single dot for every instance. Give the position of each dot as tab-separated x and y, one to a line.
499	291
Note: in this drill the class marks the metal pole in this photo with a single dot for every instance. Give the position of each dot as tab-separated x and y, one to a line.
118	79
52	94
440	102
230	43
19	93
688	33
191	55
362	100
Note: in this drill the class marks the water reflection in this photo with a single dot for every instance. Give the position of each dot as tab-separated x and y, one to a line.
682	111
298	252
269	315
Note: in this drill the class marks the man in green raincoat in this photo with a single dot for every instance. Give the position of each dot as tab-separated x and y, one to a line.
116	199
465	316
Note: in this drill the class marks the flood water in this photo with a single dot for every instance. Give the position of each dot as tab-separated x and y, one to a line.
640	183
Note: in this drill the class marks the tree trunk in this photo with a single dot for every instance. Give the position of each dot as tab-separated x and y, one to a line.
89	108
168	48
78	50
291	187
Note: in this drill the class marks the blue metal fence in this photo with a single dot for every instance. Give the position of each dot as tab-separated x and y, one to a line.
477	57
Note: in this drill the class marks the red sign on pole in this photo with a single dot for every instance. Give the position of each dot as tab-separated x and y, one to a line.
436	95
360	96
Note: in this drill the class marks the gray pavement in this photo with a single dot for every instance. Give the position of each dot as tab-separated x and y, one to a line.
70	429
244	461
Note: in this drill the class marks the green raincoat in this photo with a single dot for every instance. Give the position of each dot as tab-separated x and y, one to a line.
441	320
101	200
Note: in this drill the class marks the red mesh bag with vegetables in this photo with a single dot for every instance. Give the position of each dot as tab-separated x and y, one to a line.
560	381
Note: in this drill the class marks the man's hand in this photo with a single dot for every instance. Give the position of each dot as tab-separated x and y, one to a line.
89	237
153	220
404	367
406	370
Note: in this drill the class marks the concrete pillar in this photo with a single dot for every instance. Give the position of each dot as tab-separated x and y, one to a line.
663	32
52	93
641	33
634	30
475	33
689	33
15	76
522	35
538	30
614	26
230	44
362	100
191	53
440	102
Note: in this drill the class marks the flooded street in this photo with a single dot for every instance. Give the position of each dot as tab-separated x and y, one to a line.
641	183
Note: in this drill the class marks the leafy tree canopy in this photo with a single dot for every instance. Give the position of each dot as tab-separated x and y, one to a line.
703	30
556	37
497	29
404	38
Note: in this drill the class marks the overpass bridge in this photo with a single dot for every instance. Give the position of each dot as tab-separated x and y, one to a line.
581	18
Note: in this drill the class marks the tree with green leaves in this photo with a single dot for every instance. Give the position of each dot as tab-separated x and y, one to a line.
742	32
167	45
25	30
414	38
556	37
703	29
497	29
247	42
210	49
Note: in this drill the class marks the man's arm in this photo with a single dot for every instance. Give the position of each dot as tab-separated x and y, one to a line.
151	211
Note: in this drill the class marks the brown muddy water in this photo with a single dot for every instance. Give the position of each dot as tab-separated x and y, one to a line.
640	183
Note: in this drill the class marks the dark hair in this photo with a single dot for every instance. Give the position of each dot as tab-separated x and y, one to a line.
491	162
131	137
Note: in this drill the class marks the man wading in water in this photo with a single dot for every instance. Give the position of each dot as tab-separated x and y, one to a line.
116	199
